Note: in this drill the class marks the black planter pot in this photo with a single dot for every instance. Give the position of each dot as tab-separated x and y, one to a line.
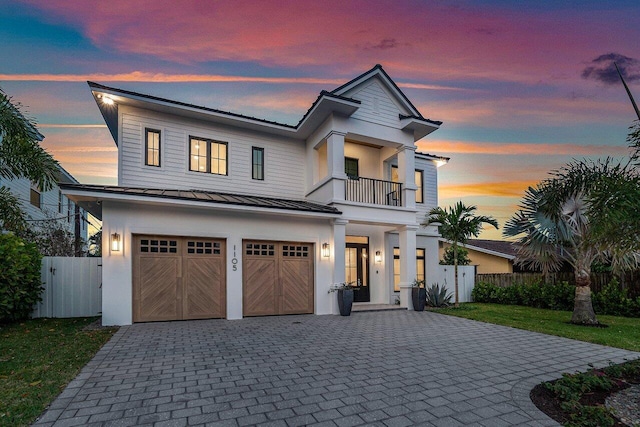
345	301
419	298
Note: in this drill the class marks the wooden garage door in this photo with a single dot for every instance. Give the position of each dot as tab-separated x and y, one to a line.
178	278
278	278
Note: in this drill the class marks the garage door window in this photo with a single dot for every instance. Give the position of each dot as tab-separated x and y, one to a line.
291	251
260	249
158	246
203	247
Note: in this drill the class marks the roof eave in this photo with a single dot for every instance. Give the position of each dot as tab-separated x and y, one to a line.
420	127
91	200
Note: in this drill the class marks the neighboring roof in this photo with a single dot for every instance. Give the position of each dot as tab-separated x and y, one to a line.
65	177
325	104
499	248
212	197
507	249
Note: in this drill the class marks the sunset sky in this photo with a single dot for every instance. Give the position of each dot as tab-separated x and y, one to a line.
522	87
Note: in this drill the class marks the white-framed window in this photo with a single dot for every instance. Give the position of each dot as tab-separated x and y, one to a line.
208	156
60	202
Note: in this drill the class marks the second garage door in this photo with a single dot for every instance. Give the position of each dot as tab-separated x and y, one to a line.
277	278
178	278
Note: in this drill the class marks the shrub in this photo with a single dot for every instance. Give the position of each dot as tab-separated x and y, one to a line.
20	284
556	297
612	299
437	296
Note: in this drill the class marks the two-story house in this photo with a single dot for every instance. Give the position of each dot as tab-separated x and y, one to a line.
221	215
49	205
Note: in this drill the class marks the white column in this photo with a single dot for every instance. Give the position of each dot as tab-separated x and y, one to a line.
335	163
406	174
335	154
407	263
337	257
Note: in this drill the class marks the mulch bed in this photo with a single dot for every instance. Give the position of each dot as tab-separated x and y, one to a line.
550	405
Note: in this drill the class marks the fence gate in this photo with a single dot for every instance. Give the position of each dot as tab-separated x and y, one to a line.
72	287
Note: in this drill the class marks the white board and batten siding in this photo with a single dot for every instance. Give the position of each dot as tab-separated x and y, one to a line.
377	104
72	287
284	159
466	281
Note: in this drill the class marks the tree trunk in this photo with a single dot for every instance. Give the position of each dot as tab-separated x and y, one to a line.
583	313
455	273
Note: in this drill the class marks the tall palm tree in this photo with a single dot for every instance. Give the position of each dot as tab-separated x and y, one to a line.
457	224
21	156
588	211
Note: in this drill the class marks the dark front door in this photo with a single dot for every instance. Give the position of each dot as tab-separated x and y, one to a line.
357	269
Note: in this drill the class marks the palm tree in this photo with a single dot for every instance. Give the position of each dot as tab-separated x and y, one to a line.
588	211
457	224
21	156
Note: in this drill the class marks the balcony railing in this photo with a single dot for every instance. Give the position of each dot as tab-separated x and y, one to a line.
373	191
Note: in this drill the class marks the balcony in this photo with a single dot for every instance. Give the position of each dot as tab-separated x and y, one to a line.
373	191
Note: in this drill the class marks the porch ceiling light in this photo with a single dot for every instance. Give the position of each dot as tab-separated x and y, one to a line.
325	250
378	257
116	242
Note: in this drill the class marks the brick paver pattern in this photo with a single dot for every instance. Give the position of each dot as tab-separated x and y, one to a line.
395	368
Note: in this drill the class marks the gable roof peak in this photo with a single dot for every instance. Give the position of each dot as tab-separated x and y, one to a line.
377	70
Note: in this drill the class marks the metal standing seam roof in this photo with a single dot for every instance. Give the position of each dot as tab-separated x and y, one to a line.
209	197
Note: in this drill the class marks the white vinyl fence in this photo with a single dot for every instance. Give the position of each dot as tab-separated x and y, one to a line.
466	280
72	287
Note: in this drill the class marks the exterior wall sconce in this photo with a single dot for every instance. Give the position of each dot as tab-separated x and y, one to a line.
378	257
325	250
116	242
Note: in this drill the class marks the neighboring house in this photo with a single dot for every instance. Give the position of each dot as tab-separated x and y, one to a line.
489	256
220	215
50	205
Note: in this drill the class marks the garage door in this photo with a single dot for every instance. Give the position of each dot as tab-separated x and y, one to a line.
178	278
278	278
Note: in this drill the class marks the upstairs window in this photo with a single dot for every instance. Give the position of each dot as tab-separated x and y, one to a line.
35	196
257	163
419	192
152	147
208	156
351	167
60	201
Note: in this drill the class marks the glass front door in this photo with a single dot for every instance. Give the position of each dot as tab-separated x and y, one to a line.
357	266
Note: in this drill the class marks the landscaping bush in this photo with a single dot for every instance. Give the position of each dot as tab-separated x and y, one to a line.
20	284
556	297
612	299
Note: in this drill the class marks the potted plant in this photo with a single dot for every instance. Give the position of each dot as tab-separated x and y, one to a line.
345	296
418	295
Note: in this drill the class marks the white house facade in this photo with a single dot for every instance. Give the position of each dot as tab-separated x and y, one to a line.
219	215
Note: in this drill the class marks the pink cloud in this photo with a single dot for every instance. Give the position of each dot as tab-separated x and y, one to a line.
417	40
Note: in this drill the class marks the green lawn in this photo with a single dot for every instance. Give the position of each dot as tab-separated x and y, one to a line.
37	359
623	332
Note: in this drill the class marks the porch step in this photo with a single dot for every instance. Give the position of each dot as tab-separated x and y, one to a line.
365	306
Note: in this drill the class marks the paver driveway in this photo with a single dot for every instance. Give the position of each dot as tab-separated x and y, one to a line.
394	368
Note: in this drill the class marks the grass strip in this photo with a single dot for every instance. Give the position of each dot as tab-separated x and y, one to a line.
38	358
622	332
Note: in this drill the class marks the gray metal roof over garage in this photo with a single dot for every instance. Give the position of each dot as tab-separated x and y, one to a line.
208	197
